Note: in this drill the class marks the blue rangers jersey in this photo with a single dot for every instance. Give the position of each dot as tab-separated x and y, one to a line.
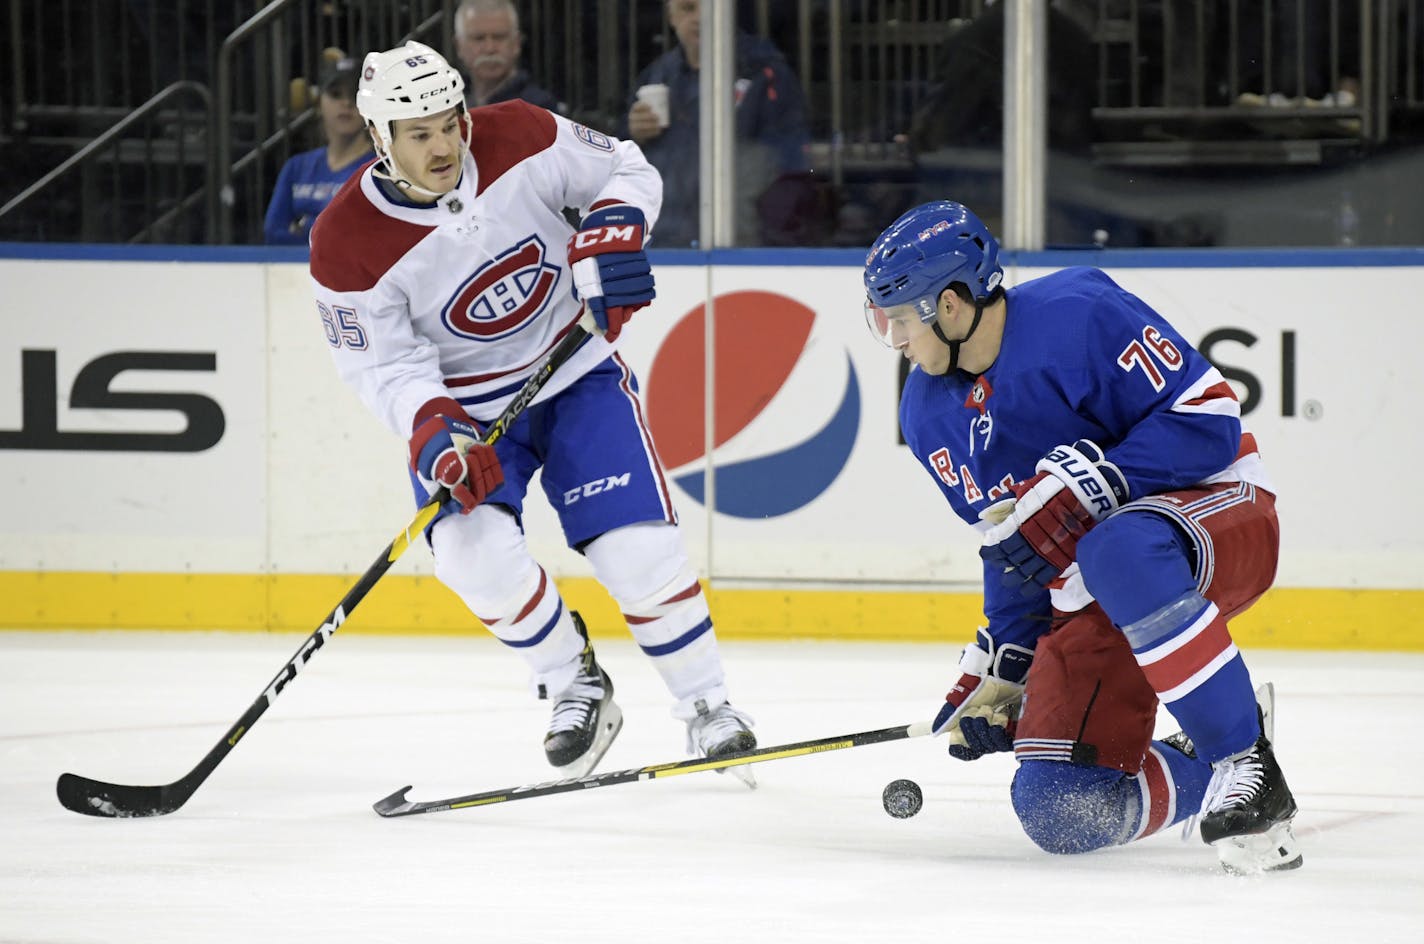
1081	359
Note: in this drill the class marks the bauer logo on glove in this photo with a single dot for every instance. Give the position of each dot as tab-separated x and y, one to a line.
1075	487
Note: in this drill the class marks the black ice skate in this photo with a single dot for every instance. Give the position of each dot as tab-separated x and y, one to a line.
585	719
1248	809
718	731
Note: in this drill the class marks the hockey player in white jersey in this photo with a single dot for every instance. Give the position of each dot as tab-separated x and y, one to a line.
444	272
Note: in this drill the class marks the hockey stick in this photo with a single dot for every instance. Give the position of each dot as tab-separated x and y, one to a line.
97	798
397	805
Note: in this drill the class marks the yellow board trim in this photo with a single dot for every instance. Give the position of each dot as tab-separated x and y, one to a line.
1285	618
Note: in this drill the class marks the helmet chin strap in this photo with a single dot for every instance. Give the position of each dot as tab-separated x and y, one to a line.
397	175
954	345
399	180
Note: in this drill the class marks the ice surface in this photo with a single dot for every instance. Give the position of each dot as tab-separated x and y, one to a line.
281	843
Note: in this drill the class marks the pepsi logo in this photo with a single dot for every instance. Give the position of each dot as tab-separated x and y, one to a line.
786	411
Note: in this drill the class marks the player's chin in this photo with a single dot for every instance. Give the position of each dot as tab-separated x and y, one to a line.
442	180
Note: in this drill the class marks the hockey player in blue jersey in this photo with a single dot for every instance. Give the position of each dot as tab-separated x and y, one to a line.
1125	517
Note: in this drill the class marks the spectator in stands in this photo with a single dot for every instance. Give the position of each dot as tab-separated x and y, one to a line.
966	108
776	203
488	43
309	180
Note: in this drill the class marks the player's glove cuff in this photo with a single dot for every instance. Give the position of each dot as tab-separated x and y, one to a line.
1084	470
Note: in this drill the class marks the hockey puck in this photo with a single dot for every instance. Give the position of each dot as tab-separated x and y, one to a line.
902	798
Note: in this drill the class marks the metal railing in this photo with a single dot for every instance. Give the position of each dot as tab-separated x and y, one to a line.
258	63
1169	81
145	187
258	92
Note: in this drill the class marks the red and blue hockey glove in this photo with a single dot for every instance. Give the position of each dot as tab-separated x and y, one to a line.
446	450
612	276
982	710
1075	488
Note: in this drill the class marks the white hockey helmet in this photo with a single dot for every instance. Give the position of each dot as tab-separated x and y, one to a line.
409	81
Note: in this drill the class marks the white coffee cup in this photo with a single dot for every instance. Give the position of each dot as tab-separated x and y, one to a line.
655	97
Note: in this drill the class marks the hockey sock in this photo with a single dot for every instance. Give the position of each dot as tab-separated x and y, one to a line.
645	569
1170	786
674	627
535	622
1178	638
1188	657
482	557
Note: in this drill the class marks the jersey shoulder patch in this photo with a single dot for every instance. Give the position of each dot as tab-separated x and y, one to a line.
353	243
503	134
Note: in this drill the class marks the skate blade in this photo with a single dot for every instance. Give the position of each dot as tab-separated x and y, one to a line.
744	774
610	722
1272	851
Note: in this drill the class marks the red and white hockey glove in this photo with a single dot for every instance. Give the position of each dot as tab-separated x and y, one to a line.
982	710
612	276
1075	488
446	450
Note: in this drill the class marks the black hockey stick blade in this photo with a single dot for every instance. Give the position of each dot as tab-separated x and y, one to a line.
398	805
121	801
116	800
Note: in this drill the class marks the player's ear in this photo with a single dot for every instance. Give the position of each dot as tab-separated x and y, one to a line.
949	301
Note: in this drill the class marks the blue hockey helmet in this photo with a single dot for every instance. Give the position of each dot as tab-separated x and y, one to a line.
920	255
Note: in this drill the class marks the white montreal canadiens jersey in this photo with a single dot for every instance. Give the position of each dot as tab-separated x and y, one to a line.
463	298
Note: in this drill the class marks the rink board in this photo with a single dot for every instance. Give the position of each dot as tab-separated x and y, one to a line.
165	437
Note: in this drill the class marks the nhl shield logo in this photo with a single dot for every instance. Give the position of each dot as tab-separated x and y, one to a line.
504	295
978	398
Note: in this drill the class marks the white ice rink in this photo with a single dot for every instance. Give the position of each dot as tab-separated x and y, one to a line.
281	843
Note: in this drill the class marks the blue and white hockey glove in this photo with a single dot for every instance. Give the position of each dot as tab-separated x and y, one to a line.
982	709
1075	488
612	276
445	449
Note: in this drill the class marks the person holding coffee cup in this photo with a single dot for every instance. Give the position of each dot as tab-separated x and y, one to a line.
770	119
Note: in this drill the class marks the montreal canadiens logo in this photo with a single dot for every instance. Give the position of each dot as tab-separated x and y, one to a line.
787	408
504	295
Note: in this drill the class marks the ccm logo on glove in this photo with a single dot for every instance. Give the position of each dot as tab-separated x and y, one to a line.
612	276
446	450
610	238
